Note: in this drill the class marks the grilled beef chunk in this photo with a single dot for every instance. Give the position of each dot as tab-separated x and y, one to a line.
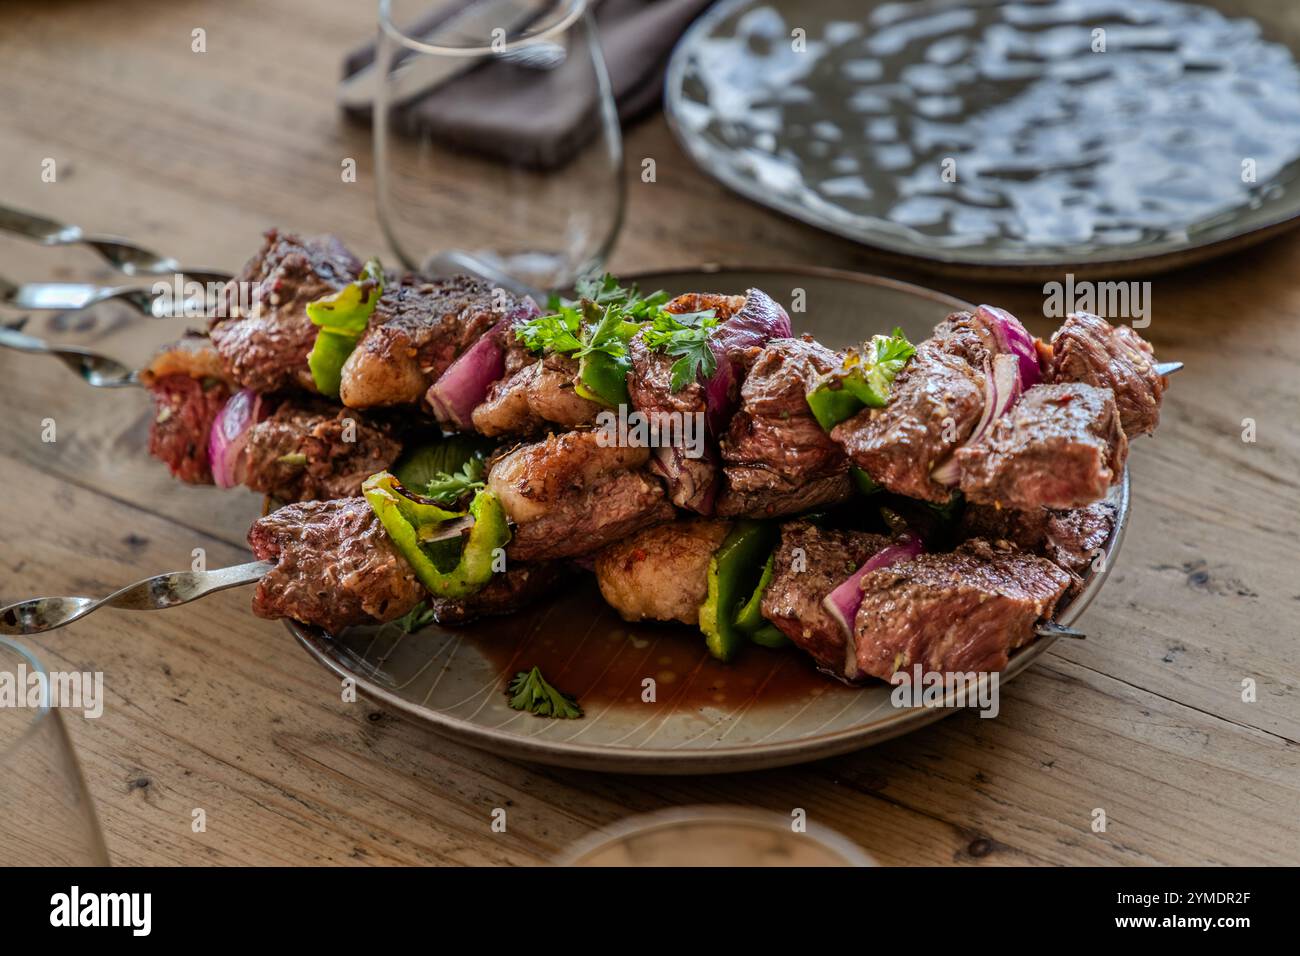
418	328
184	410
511	591
776	459
1070	539
958	612
540	393
267	349
308	450
934	404
967	335
810	563
569	496
335	566
1088	349
1060	446
692	482
661	573
192	355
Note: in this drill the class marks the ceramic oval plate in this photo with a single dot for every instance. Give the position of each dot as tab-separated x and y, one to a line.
1005	140
767	709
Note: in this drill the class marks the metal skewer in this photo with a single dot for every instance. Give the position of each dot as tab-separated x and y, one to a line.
97	370
37	615
1052	629
1168	368
72	296
123	255
162	591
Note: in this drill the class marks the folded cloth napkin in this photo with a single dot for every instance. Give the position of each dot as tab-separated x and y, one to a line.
540	117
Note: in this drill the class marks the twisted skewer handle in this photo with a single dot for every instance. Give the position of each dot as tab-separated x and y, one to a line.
37	615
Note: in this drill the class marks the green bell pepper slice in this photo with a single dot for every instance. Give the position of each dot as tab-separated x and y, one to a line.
769	635
750	616
603	378
862	381
865	484
734	572
342	319
411	520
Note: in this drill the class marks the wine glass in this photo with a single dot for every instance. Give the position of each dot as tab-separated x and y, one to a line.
46	816
497	145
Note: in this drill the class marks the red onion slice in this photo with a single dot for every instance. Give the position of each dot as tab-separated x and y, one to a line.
843	603
692	483
1015	339
464	386
1001	390
720	393
229	435
756	323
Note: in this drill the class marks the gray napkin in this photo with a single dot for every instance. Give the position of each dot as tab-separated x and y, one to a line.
538	117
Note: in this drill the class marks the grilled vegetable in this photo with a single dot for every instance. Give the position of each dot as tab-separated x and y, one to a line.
734	573
862	381
436	461
342	319
412	520
750	616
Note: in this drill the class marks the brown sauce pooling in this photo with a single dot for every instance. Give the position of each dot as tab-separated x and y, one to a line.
583	648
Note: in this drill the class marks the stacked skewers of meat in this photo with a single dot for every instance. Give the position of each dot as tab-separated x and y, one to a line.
877	508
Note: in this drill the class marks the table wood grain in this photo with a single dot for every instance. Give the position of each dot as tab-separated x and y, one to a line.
208	707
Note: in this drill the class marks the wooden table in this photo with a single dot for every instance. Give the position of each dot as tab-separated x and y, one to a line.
208	707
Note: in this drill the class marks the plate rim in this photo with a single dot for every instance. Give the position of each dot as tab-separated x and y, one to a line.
736	758
1125	262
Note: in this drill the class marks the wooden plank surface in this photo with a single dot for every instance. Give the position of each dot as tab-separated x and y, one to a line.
210	708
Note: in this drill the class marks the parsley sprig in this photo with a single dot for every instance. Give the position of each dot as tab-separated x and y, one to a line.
606	316
418	617
450	488
686	338
530	691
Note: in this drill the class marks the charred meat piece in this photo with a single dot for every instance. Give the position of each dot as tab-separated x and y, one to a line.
192	355
309	450
418	328
1060	446
187	382
968	335
776	459
661	573
692	482
334	566
184	410
539	394
266	349
519	586
810	563
1088	349
934	405
569	496
959	612
1070	539
1075	537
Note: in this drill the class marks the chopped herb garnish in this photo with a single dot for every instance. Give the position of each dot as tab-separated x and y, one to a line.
448	489
686	338
419	616
530	691
603	321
